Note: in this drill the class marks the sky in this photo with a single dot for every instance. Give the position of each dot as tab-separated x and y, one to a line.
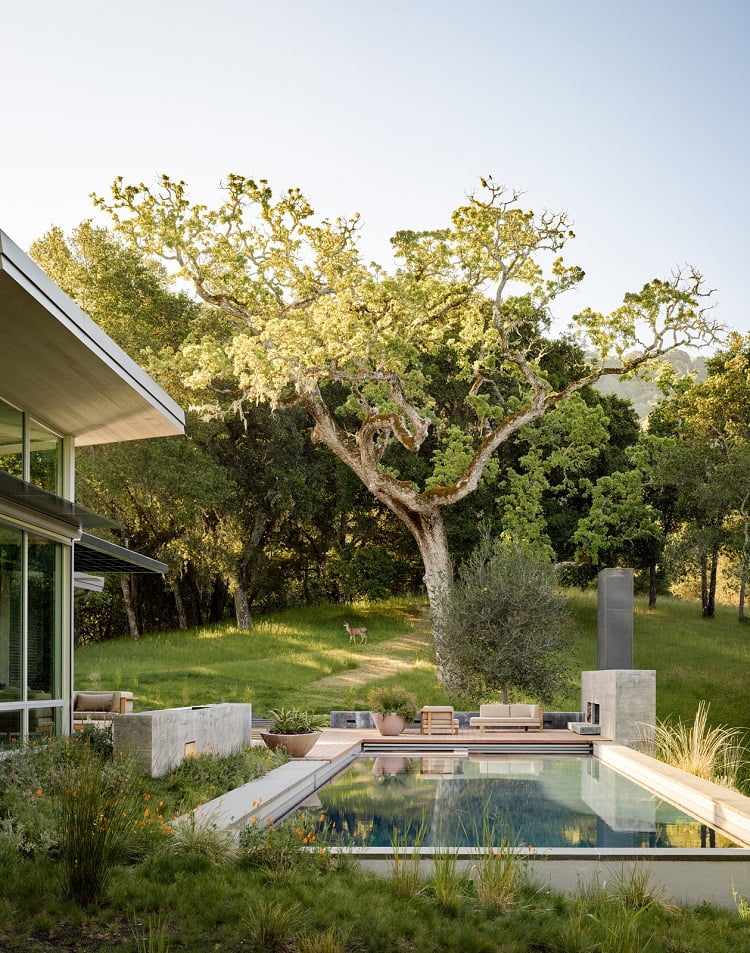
632	117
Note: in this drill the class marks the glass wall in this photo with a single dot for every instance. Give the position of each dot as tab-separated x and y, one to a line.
11	440
31	635
42	465
44	618
31	591
11	614
45	458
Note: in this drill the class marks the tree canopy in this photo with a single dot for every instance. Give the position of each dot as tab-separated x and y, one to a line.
301	318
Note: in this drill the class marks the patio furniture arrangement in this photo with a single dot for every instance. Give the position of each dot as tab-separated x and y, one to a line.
496	715
437	719
99	707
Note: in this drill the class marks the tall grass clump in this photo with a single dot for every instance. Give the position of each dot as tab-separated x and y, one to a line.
272	925
96	816
154	937
500	872
715	753
406	863
447	885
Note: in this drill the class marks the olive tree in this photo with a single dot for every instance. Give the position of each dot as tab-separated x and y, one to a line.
504	623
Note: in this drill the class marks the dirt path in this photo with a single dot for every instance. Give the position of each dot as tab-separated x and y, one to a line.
378	666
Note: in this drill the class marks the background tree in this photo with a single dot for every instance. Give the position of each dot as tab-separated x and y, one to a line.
704	460
298	309
504	623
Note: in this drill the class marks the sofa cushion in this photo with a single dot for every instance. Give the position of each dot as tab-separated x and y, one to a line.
94	701
494	711
524	711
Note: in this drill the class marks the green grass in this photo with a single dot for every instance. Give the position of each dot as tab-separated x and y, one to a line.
280	661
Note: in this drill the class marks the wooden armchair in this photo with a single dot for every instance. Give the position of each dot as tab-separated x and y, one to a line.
436	719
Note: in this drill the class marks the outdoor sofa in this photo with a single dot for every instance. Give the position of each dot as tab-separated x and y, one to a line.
99	707
496	715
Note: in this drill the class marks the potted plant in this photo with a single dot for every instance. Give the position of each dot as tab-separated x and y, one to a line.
392	708
294	730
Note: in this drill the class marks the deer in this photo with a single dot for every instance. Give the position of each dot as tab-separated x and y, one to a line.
354	634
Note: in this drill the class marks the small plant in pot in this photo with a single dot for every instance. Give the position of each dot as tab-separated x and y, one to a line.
293	729
392	709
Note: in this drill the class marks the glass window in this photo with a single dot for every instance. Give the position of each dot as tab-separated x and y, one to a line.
10	728
45	458
11	613
44	723
44	625
11	440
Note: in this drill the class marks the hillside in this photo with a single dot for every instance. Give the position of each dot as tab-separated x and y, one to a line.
644	394
303	658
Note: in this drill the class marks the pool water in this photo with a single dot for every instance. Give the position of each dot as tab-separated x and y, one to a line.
537	801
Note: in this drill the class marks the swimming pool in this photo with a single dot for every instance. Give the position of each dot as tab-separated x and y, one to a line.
547	801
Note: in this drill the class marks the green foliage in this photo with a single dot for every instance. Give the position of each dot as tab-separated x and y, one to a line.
296	317
153	936
272	925
499	874
96	805
206	775
295	721
199	839
504	624
716	753
392	700
281	847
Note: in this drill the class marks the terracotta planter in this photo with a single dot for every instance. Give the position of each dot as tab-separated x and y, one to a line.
296	745
388	724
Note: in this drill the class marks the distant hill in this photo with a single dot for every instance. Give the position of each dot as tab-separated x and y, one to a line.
643	394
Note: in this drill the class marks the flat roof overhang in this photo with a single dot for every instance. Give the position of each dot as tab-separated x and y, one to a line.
22	500
62	368
94	555
25	501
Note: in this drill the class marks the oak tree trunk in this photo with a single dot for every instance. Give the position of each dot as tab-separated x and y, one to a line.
127	597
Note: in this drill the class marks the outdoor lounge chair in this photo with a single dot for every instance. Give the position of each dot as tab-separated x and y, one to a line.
435	719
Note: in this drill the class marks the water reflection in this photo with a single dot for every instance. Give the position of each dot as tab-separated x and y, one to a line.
547	801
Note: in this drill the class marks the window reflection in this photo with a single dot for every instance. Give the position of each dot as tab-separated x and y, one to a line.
44	723
11	613
44	619
10	728
11	440
45	457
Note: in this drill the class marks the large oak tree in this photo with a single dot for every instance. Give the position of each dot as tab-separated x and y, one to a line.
302	318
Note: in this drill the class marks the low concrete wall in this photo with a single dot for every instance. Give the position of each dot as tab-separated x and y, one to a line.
363	719
161	739
687	877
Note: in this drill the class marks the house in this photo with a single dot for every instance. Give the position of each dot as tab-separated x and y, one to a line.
63	384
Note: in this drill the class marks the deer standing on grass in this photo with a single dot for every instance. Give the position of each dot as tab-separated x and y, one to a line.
354	634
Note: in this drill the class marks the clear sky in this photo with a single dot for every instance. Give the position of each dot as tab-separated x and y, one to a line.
633	117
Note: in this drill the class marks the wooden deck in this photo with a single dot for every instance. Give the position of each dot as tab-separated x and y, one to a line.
337	743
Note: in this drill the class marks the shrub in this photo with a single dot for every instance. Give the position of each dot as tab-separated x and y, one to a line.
391	699
294	721
97	814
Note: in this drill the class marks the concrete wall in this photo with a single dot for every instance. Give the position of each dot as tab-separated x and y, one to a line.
160	740
626	700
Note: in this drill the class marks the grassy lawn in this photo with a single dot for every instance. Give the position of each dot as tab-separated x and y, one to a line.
303	658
